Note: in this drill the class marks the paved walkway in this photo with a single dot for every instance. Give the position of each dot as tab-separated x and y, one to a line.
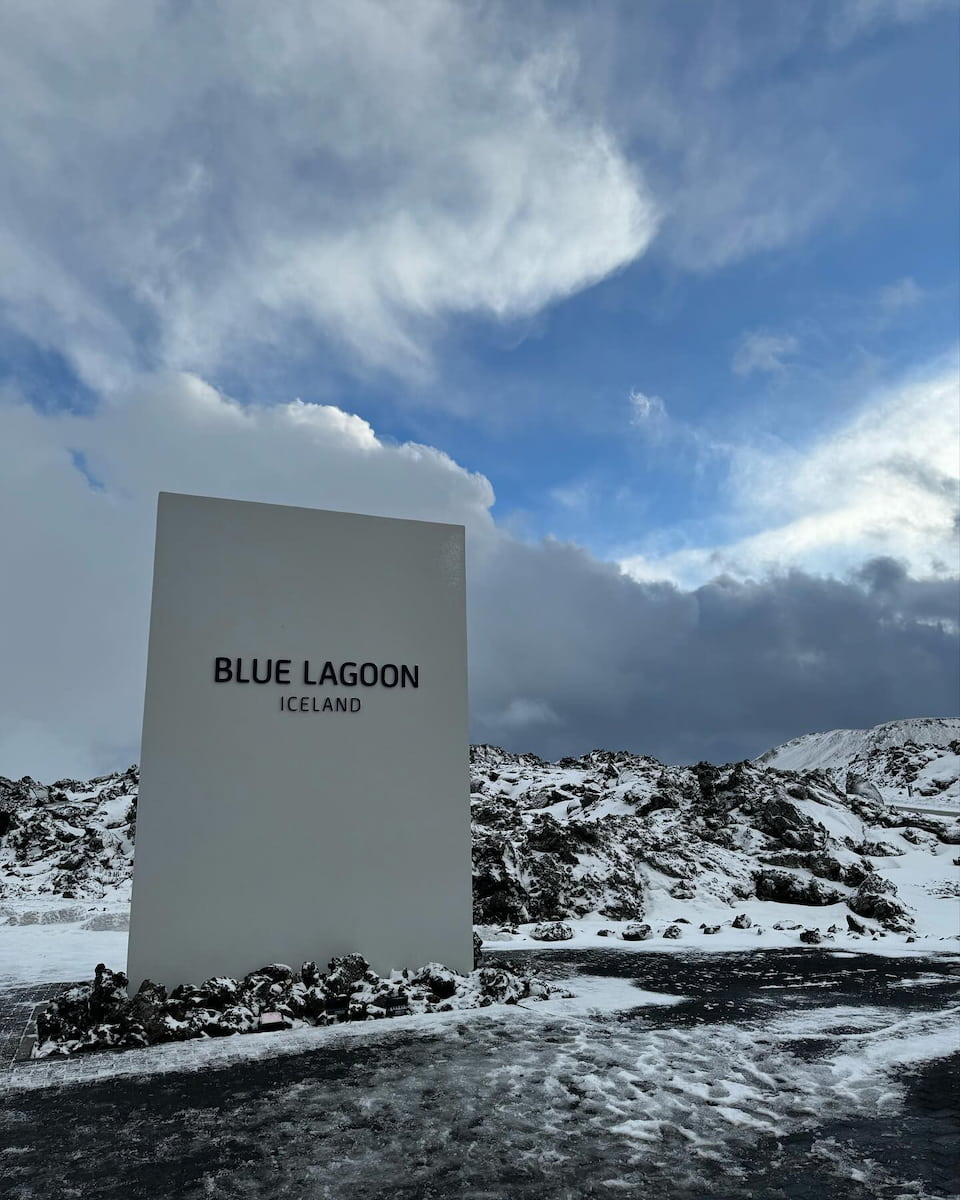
19	1007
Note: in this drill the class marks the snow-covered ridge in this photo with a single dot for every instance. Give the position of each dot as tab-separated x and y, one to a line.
70	839
606	837
915	761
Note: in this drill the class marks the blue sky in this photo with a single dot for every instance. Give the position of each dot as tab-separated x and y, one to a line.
541	404
657	299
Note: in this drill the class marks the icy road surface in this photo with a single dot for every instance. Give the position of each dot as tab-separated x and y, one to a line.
783	1075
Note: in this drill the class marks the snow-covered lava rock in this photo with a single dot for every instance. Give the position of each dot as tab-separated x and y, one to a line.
604	833
915	761
100	1016
609	835
70	839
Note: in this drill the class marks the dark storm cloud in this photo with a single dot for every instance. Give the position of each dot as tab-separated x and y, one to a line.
722	672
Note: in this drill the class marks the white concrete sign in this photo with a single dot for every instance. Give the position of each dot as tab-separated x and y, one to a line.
304	765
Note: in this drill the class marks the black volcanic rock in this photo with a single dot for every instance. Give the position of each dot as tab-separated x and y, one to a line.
555	931
877	897
98	1015
786	888
592	835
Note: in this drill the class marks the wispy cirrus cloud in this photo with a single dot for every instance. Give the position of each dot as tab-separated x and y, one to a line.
850	19
206	181
764	351
646	410
904	293
885	482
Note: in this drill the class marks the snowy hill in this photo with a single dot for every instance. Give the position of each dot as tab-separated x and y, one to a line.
623	837
604	840
911	763
69	839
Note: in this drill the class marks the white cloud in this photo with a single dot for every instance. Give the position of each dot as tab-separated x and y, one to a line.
905	293
761	350
886	482
645	409
75	622
575	497
193	183
850	19
521	714
566	652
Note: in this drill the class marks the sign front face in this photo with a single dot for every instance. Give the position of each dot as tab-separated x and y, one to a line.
304	773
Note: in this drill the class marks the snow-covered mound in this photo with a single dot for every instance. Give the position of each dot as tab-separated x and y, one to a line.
624	837
71	840
607	838
911	762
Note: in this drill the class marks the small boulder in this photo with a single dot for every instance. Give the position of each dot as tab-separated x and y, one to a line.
499	987
438	979
811	937
551	931
146	1011
310	974
220	992
741	922
346	972
635	932
876	897
672	931
858	785
276	972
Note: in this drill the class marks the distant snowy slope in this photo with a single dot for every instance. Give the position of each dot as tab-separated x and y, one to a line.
912	761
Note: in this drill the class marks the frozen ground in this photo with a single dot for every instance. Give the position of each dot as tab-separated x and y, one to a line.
59	950
786	1075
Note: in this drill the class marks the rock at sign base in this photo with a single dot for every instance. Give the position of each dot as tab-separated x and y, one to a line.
269	1021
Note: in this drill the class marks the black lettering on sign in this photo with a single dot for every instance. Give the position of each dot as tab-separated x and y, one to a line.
328	674
369	674
283	670
389	675
408	676
268	672
354	704
348	678
222	670
240	678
